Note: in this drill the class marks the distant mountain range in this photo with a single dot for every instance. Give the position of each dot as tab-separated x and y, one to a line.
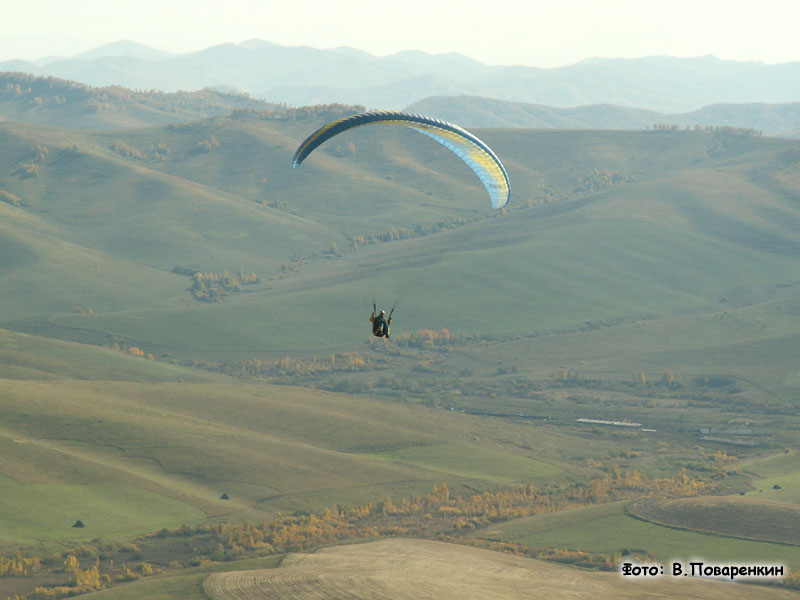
62	103
778	120
304	75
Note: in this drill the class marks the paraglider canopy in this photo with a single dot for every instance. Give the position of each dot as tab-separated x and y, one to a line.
473	151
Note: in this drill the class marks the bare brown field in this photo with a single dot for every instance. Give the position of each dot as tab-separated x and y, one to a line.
735	516
420	569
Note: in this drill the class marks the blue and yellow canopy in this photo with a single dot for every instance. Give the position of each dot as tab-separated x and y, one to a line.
480	158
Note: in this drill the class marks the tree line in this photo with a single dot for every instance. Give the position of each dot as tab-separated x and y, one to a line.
439	514
10	198
330	111
346	362
53	91
213	287
709	128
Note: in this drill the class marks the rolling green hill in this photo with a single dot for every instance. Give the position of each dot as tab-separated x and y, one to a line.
171	450
25	357
609	528
622	254
73	105
747	518
779	120
604	225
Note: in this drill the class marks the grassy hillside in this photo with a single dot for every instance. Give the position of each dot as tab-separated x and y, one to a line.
749	343
26	357
129	209
780	120
540	285
481	574
647	276
608	528
48	273
79	445
63	103
739	517
474	111
392	569
603	226
33	513
188	586
782	470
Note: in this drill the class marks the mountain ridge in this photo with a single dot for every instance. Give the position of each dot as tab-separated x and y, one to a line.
63	103
351	76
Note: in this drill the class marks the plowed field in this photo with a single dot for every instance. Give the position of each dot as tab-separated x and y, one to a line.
400	569
736	516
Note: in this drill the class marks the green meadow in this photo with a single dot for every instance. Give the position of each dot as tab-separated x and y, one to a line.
269	448
469	460
29	357
782	470
648	276
714	341
608	529
38	513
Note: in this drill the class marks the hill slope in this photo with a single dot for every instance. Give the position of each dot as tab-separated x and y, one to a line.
780	120
603	225
73	105
737	517
270	448
394	569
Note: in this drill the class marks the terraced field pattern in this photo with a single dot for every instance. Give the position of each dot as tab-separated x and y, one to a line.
741	517
397	569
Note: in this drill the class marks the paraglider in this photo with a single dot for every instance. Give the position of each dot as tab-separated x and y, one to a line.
380	323
473	151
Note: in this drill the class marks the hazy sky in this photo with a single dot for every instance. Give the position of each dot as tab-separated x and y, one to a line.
527	32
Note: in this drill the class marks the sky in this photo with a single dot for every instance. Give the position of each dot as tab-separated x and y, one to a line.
537	33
